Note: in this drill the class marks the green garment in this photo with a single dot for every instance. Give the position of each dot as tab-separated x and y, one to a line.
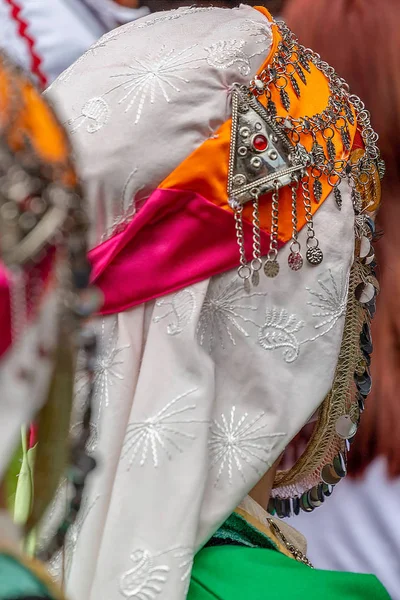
16	581
243	564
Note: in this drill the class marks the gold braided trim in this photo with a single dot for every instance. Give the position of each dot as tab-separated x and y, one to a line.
324	443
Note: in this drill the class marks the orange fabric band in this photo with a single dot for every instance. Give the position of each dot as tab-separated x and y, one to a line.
205	171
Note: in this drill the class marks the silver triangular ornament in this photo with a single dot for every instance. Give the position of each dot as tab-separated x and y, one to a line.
261	152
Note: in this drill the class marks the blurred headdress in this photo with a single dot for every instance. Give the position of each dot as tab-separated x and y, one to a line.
44	274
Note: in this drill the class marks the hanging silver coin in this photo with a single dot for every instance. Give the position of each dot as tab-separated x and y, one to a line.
365	246
295	261
315	496
255	278
345	428
365	292
271	268
339	465
329	475
247	285
371	257
314	255
305	503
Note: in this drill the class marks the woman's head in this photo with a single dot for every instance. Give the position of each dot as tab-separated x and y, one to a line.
359	38
202	380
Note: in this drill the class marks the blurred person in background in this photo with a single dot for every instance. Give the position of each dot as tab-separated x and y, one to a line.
42	263
46	36
359	529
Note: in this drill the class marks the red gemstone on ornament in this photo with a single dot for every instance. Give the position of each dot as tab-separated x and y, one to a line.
260	143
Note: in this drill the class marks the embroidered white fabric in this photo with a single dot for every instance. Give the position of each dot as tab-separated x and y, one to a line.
146	95
197	394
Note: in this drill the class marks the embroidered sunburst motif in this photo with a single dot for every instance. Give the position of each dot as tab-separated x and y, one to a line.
330	301
184	557
279	331
162	434
179	310
238	443
223	313
146	78
107	364
106	372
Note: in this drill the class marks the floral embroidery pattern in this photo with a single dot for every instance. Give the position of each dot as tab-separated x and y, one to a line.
226	53
180	308
261	30
222	313
162	434
280	328
146	579
279	331
146	77
148	576
94	114
238	442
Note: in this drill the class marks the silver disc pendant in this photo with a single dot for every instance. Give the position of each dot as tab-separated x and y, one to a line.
295	261
365	292
365	247
345	428
271	268
329	475
255	278
314	255
247	285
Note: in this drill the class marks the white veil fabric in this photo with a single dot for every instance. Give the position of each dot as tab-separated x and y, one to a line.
198	392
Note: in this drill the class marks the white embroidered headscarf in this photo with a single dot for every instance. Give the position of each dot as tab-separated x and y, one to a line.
198	392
